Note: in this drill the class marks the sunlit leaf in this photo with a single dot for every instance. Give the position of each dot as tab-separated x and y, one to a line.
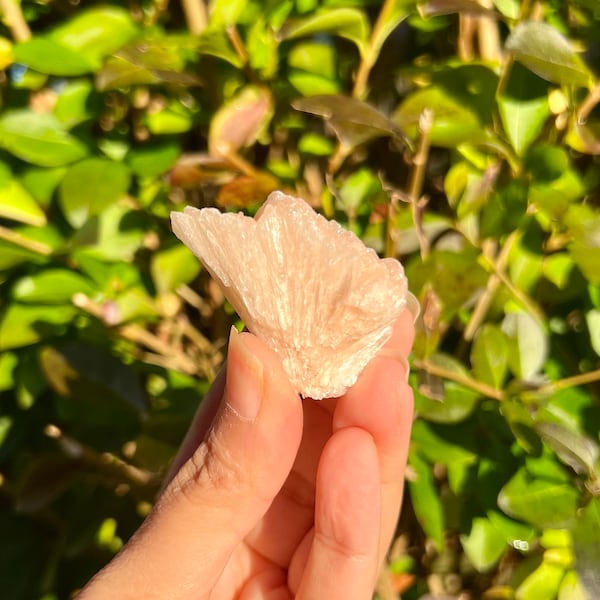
48	56
349	23
483	544
173	267
39	139
16	203
574	449
91	186
353	121
527	342
539	502
523	107
426	501
51	286
489	355
546	52
586	544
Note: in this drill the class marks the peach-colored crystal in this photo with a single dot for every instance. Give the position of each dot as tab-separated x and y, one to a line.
308	287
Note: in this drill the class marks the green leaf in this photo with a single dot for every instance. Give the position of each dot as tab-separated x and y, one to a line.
523	107
543	50
542	584
592	318
97	32
51	286
91	186
21	325
349	23
454	123
154	159
483	545
489	355
574	449
586	545
173	267
48	56
539	502
16	203
426	501
38	138
458	400
353	121
571	588
527	342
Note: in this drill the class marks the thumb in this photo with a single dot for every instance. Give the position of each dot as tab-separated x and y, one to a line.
226	486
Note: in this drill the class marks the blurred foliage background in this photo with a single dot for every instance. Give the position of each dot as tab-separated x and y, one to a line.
459	136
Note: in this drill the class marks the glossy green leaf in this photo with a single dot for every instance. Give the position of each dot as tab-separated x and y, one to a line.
426	500
49	56
542	584
523	107
592	319
571	588
90	186
489	355
173	267
21	324
353	121
527	343
539	502
349	23
97	32
574	449
16	203
453	123
51	286
546	52
153	159
39	138
586	544
483	544
584	226
75	103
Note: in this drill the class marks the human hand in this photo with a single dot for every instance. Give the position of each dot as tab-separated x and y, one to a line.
271	497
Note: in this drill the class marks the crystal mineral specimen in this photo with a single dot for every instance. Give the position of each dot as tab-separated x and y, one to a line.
306	286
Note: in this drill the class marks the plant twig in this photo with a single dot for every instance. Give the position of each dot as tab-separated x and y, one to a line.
14	237
14	19
567	382
493	283
466	380
588	104
139	335
195	15
105	461
417	178
371	51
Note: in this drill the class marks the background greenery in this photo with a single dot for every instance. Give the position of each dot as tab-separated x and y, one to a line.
461	137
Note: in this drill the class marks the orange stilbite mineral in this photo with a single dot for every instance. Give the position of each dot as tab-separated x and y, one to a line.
306	286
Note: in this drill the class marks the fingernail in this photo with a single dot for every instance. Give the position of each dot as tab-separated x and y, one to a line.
245	378
398	356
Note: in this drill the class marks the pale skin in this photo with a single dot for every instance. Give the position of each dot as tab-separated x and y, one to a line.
271	497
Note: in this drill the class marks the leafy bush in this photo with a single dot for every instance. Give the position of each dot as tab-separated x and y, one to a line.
462	137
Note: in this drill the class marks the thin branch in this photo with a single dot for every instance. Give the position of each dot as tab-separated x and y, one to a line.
15	21
14	237
371	52
466	380
485	300
140	336
567	382
417	178
195	15
588	104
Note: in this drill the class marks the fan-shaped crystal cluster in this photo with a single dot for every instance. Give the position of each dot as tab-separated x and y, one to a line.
306	286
